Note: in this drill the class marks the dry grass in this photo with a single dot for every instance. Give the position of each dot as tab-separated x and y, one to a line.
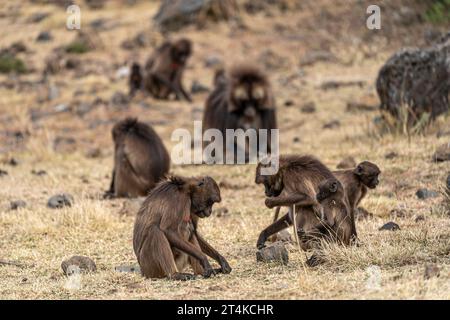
41	238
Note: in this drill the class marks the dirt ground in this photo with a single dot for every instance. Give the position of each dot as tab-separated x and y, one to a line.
75	149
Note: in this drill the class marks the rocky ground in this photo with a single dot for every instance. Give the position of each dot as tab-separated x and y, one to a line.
322	62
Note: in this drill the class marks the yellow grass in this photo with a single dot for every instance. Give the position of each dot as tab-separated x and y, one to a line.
41	238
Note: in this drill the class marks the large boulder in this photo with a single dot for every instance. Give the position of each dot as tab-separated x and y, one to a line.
414	83
174	14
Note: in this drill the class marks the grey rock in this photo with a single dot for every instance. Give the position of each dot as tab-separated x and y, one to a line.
128	268
17	204
3	173
44	36
391	155
431	270
273	252
213	61
416	79
308	107
197	87
85	264
390	226
60	200
425	194
332	124
37	17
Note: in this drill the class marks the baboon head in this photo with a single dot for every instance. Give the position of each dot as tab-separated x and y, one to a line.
204	193
368	174
122	127
181	50
248	95
273	184
330	188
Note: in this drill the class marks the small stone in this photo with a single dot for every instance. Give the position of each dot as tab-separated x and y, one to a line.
431	271
37	17
273	252
128	268
119	100
197	87
309	107
332	124
289	103
85	264
3	173
213	61
60	200
94	153
442	153
17	204
391	155
130	207
296	140
419	218
221	212
39	172
347	163
13	162
390	226
44	36
425	194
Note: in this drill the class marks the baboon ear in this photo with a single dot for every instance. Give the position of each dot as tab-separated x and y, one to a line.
333	187
358	170
258	92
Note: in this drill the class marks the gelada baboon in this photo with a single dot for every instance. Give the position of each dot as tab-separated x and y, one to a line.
356	182
241	99
140	159
166	239
164	70
296	182
135	81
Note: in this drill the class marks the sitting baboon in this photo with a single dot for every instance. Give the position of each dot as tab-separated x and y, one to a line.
165	237
140	159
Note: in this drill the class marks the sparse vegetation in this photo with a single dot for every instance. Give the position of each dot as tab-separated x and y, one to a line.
9	63
438	11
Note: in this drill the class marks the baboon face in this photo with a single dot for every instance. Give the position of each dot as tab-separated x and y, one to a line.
329	188
181	50
273	184
248	99
368	174
204	193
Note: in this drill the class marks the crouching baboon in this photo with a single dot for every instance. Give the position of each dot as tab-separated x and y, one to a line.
295	183
140	159
356	182
241	99
164	70
165	237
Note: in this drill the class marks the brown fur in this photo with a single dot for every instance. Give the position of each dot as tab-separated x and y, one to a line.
135	81
296	182
140	159
164	70
356	183
165	237
242	99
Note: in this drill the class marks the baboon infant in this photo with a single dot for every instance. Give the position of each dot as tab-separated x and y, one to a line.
356	183
140	159
165	237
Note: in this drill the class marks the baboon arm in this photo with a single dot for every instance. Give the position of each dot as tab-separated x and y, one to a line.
168	84
176	241
283	223
182	90
208	249
111	188
298	199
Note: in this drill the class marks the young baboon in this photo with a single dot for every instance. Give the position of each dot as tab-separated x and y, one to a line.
242	99
164	70
356	182
135	81
165	237
296	182
140	159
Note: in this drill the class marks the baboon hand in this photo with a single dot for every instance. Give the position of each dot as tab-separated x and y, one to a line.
270	202
261	242
208	271
224	266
